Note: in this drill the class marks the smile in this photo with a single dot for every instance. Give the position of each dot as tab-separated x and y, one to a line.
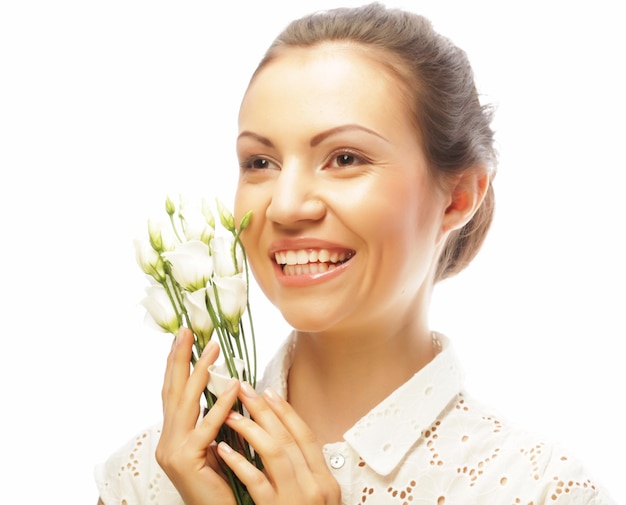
311	261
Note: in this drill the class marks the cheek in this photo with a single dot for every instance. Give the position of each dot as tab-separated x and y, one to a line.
245	201
403	214
241	205
395	203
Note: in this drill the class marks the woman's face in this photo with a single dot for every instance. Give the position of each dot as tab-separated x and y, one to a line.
346	218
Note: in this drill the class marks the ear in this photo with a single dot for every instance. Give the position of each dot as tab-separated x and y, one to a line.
467	193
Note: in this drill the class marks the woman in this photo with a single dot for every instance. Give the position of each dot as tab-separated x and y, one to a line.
367	160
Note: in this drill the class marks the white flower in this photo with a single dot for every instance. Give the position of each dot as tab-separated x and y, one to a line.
159	310
196	224
219	376
232	295
192	265
149	260
222	252
161	235
201	322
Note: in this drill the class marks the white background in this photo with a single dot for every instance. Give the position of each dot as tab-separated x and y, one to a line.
107	106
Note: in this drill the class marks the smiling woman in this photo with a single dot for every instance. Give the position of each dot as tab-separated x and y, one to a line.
343	177
367	161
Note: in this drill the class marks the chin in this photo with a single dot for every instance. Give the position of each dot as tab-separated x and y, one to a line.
305	321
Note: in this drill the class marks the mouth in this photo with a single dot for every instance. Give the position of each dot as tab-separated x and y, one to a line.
311	261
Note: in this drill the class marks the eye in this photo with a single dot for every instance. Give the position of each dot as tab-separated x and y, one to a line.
346	159
257	163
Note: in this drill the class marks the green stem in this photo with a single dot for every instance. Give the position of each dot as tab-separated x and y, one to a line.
253	371
250	377
175	228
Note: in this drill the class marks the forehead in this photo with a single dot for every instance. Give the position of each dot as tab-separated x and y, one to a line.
330	79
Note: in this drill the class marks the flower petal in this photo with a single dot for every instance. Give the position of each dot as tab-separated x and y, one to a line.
192	265
219	376
201	322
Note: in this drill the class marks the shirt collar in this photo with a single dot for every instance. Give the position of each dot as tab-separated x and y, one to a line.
384	436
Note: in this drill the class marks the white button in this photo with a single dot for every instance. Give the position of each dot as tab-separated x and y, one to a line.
337	461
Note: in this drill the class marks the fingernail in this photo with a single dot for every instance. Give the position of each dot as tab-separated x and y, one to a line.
272	395
179	335
230	385
234	415
210	345
248	390
224	447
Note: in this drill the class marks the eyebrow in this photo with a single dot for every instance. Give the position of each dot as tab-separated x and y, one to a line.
263	140
317	138
339	129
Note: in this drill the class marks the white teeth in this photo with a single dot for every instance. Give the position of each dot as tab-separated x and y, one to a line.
302	257
291	258
309	268
324	256
308	257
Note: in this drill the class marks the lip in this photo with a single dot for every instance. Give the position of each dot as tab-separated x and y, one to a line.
301	280
303	243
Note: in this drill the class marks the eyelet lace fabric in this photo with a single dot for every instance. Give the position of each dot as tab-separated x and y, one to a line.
427	443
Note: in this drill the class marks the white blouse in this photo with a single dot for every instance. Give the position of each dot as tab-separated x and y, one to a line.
427	443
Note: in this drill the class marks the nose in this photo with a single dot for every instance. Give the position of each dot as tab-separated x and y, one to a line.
295	197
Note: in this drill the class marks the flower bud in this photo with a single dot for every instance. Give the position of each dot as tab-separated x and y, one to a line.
195	226
160	311
199	316
226	217
161	235
208	215
149	260
245	221
170	206
154	233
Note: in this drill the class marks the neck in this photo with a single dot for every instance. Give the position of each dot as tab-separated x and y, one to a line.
349	374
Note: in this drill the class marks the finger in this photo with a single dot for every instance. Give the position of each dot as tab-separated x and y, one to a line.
278	418
299	430
167	373
199	378
280	455
177	369
319	484
263	415
259	487
286	473
207	430
186	403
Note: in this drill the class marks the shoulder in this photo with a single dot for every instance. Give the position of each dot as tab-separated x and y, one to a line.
132	475
491	457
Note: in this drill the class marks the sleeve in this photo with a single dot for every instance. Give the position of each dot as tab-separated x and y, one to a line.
568	482
132	476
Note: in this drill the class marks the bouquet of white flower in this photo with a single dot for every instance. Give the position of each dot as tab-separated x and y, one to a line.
201	281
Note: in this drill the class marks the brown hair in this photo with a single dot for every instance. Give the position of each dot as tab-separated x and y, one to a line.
437	77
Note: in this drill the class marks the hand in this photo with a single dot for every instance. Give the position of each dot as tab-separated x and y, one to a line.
295	472
186	448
